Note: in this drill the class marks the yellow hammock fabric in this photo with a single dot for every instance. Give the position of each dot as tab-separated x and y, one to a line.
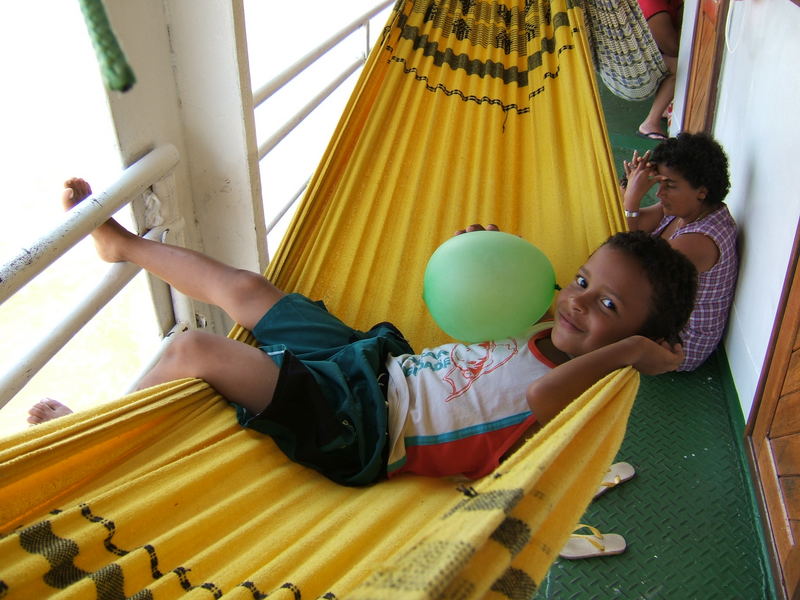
466	112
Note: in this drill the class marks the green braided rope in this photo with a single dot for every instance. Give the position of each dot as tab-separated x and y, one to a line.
117	74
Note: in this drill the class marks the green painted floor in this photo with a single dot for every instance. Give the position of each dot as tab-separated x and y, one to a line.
688	515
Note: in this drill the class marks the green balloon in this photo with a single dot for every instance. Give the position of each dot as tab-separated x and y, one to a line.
487	285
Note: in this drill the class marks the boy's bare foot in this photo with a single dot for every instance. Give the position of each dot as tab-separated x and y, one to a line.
47	410
110	237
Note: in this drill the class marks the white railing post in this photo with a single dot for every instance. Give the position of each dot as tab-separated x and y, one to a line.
287	75
290	124
276	83
276	219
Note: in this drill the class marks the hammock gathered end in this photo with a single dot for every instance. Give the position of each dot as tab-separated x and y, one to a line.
623	49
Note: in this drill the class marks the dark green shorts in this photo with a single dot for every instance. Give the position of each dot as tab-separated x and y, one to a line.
329	410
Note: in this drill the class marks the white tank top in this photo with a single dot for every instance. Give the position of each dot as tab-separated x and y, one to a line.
457	408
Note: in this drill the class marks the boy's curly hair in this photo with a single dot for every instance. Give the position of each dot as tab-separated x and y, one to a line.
672	277
701	161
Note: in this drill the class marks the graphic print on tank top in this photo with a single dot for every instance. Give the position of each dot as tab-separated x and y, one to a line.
470	363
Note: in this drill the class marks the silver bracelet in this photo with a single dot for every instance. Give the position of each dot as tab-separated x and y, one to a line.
630	214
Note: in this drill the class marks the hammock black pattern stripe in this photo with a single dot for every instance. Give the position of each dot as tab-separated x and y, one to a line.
445	132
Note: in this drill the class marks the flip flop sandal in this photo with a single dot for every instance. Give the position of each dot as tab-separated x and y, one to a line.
590	545
651	135
617	473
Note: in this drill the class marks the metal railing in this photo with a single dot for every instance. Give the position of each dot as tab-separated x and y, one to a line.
271	87
84	218
78	223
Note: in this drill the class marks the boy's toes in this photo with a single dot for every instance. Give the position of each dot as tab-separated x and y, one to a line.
47	410
75	190
67	196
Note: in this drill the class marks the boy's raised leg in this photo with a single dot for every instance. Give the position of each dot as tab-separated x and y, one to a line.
244	295
241	373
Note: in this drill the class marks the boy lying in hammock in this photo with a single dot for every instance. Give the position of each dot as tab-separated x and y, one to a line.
358	406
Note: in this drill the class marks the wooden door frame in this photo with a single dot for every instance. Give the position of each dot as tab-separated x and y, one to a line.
776	328
769	385
710	113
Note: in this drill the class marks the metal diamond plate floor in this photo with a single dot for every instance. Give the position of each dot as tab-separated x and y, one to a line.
687	515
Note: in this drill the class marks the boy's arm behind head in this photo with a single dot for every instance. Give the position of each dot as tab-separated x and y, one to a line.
549	394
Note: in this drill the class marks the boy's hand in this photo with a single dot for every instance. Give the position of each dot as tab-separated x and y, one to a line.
656	358
478	227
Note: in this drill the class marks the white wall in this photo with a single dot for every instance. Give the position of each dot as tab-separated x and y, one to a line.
690	8
758	123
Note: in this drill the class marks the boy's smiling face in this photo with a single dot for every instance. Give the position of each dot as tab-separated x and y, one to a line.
609	299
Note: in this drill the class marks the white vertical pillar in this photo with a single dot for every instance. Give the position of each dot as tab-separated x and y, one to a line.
193	91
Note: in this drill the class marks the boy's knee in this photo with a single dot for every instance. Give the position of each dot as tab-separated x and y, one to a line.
188	349
195	353
247	284
249	296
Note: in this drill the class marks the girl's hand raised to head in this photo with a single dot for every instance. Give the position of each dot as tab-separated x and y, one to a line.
641	175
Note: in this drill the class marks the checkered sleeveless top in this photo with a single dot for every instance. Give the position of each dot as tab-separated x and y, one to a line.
715	287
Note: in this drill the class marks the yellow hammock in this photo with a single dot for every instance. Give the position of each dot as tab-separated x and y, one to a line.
467	111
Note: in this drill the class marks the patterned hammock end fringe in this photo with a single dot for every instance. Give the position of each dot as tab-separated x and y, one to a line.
623	49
